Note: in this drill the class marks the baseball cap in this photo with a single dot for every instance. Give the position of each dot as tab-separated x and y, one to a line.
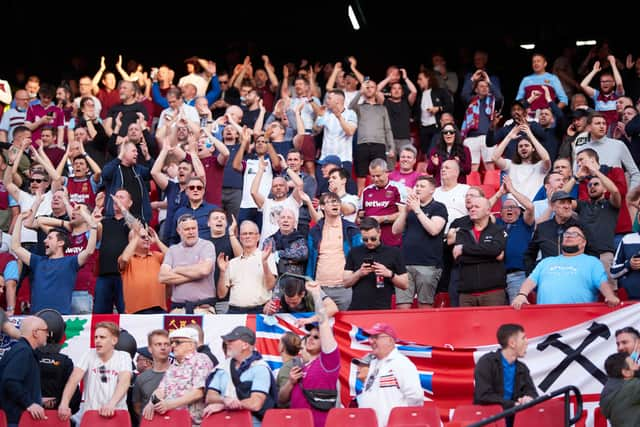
144	352
382	328
189	333
363	361
561	195
241	333
331	159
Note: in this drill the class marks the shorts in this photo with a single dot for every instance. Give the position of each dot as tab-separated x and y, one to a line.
477	145
423	281
308	148
365	153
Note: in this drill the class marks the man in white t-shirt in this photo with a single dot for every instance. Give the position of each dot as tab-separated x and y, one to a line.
271	208
450	193
106	373
530	163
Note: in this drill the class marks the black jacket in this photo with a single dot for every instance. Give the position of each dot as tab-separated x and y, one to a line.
480	270
489	380
440	97
19	380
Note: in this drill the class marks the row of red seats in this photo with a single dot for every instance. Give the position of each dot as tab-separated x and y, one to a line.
548	414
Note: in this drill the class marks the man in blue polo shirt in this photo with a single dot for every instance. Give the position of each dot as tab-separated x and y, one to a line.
518	217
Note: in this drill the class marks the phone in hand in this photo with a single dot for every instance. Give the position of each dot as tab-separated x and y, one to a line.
298	362
154	399
368	260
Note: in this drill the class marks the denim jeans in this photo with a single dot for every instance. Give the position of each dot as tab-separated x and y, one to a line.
514	282
108	294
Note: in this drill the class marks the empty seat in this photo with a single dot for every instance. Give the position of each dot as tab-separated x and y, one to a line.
172	418
92	418
52	420
288	418
352	417
467	414
408	416
549	413
228	419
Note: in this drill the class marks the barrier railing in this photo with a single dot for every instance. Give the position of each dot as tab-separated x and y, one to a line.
565	391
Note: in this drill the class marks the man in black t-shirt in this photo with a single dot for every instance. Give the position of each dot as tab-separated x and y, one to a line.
422	223
374	270
225	241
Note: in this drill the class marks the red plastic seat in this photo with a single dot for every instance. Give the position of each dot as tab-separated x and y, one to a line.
228	419
467	414
474	179
92	418
409	416
549	414
3	419
52	420
352	417
288	418
172	418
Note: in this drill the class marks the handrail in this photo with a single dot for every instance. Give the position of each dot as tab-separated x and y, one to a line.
548	396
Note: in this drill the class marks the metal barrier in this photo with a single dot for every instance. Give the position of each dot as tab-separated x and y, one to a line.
565	391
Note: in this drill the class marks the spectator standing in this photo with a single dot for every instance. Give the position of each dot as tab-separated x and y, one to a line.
393	380
422	223
374	270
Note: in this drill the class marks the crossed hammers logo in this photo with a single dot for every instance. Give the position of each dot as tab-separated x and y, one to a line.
574	355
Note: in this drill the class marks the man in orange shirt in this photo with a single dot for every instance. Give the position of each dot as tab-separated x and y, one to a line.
140	266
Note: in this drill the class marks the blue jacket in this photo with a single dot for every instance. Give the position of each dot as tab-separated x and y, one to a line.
621	268
351	238
19	380
113	181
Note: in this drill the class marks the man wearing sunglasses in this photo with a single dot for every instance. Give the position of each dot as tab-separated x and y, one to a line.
374	270
570	278
195	206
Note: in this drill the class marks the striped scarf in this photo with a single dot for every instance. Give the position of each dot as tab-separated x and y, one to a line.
472	115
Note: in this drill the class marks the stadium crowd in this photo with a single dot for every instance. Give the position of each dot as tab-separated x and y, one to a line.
225	191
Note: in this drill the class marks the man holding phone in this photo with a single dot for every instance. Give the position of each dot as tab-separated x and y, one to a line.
374	270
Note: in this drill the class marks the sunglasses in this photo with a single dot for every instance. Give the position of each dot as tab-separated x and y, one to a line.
102	370
370	239
448	132
196	187
38	180
178	342
315	337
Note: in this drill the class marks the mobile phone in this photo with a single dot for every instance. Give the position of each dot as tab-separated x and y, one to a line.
368	260
298	362
154	399
50	113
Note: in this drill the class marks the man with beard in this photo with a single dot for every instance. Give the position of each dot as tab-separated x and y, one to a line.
529	164
570	278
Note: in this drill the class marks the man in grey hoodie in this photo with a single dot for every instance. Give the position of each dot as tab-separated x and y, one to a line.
620	398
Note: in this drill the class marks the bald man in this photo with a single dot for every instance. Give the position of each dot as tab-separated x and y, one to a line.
479	249
20	373
451	193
